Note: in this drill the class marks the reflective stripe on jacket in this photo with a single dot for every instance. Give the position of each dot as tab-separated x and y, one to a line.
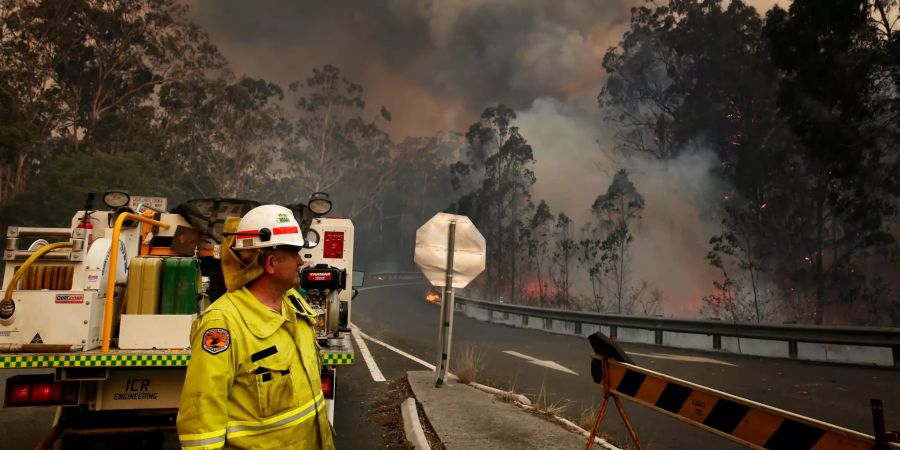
253	381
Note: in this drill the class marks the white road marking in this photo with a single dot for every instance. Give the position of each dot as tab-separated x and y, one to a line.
698	359
392	348
519	355
367	357
548	364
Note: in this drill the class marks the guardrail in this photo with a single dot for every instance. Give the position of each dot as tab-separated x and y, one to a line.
385	276
859	345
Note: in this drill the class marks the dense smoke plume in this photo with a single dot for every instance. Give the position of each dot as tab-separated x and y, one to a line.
437	64
575	163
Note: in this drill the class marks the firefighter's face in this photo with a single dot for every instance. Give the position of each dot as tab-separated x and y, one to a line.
283	265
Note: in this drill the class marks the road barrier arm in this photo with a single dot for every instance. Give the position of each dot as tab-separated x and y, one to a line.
738	419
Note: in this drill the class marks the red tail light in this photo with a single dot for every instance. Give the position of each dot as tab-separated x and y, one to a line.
46	392
18	393
39	390
328	385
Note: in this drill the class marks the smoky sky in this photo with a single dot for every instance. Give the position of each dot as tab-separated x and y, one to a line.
433	64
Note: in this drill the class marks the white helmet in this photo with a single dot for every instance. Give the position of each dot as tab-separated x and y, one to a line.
268	226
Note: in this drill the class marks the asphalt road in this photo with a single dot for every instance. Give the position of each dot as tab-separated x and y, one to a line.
839	394
397	315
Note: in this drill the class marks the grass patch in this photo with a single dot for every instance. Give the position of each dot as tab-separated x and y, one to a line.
507	397
468	363
586	418
542	405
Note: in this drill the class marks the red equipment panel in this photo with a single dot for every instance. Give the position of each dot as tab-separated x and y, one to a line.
334	245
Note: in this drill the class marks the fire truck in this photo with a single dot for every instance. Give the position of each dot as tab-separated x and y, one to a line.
105	307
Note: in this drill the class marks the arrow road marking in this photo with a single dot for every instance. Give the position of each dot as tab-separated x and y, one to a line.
548	364
698	359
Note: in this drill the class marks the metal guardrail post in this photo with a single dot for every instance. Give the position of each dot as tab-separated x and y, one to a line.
895	350
792	349
577	328
717	342
525	324
658	337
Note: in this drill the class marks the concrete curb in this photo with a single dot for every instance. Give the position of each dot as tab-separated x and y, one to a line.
523	402
411	425
599	441
571	426
490	390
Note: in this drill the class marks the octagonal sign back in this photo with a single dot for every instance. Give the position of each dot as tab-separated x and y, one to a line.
469	252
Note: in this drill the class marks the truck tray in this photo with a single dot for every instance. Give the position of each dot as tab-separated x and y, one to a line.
341	355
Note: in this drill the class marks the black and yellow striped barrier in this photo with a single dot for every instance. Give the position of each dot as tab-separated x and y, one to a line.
744	421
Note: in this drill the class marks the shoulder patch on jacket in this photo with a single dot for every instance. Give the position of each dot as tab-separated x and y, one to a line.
216	340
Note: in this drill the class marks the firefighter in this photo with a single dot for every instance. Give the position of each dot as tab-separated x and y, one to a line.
253	380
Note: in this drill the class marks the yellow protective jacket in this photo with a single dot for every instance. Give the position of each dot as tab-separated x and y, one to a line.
253	380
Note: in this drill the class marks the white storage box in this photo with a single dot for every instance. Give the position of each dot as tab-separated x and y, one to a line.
155	331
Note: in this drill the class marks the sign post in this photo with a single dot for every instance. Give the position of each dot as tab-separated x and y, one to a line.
451	252
446	324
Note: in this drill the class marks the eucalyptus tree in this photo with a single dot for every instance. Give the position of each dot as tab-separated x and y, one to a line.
499	169
563	252
71	63
834	79
229	137
618	211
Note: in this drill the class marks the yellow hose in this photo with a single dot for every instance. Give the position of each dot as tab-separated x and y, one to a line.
37	254
111	274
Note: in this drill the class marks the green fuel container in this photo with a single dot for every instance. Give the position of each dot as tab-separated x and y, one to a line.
180	285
